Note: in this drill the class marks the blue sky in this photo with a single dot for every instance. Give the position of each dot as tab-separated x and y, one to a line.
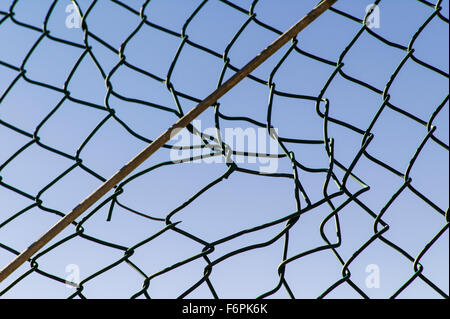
242	201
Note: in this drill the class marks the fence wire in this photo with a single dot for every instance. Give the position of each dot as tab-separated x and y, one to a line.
336	172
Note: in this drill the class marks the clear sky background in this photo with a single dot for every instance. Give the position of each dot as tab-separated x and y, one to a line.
243	200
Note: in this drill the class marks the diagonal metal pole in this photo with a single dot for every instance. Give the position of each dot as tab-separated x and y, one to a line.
164	138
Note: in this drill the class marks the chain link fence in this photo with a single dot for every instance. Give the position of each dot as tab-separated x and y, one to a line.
341	183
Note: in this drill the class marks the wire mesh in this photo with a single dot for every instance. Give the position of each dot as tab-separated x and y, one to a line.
338	172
